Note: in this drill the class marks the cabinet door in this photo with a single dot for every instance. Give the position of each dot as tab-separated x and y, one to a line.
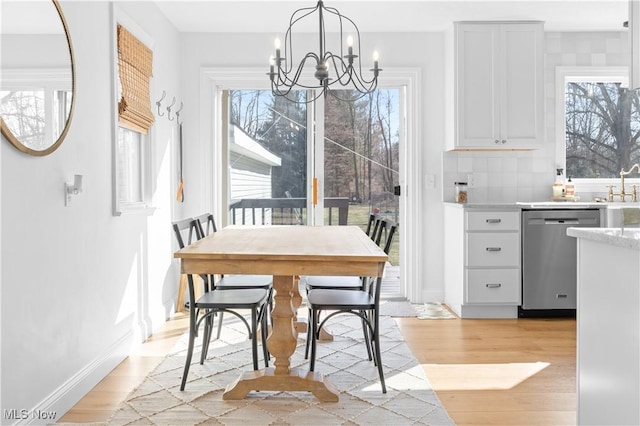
499	89
476	92
521	88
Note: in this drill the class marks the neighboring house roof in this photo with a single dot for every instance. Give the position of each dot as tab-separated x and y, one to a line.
243	144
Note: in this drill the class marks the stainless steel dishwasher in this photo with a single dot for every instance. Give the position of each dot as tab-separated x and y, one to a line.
549	285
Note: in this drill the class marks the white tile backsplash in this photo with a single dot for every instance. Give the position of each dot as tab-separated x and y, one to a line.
528	175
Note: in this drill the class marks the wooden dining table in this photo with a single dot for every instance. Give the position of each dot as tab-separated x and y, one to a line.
286	252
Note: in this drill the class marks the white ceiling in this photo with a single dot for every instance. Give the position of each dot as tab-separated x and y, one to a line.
369	15
394	16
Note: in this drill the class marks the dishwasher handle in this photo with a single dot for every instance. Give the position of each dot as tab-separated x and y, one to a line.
567	221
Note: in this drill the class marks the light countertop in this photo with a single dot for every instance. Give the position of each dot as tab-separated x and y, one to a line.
621	237
546	205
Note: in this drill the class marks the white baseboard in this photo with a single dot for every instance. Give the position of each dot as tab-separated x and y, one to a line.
67	395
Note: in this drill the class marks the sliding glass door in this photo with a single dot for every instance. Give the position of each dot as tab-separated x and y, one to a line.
267	155
361	156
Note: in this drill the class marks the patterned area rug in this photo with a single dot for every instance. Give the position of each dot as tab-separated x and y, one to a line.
409	399
397	308
433	311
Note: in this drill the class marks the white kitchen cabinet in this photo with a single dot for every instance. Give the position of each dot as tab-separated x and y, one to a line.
482	262
498	85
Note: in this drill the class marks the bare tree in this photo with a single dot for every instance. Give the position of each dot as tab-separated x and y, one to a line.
603	127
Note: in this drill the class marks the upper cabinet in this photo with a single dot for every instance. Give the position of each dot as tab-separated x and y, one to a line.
498	85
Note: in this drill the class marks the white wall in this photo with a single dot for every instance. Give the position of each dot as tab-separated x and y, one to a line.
80	286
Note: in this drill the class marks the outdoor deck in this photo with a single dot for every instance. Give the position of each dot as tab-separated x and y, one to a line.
391	282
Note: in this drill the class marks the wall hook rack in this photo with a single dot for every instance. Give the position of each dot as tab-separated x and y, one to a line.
178	113
169	109
164	93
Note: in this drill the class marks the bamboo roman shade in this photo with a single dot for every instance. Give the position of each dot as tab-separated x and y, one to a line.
135	67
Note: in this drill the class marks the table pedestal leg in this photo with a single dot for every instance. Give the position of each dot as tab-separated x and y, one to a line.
282	344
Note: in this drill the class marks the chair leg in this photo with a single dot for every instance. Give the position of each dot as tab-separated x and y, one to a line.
263	327
254	337
367	340
376	339
192	338
206	337
219	324
309	327
314	334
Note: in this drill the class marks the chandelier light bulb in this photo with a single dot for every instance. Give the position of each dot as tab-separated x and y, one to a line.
277	43
350	41
375	55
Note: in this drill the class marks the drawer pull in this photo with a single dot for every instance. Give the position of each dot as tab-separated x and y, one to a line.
494	285
494	248
561	296
494	220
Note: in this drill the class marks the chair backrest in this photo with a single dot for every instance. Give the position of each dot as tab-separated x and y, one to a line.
206	224
372	219
376	229
186	230
387	228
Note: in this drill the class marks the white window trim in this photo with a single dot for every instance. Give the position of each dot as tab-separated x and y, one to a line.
48	79
146	155
604	74
212	80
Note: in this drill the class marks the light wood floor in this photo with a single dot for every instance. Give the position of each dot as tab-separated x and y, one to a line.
485	372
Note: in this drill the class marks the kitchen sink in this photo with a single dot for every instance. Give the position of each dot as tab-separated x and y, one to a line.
622	214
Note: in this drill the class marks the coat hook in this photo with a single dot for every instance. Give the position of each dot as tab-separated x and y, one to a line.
158	103
178	113
169	109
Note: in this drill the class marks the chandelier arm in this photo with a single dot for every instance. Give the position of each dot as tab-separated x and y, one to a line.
288	43
340	16
283	76
340	74
366	85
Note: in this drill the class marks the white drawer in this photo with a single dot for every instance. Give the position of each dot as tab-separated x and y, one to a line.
493	221
493	286
488	249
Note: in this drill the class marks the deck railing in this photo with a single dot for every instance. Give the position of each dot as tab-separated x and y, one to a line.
284	211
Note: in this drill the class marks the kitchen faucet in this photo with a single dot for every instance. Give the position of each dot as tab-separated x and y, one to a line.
623	194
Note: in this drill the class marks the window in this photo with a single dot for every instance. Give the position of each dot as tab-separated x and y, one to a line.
132	145
600	124
35	104
130	154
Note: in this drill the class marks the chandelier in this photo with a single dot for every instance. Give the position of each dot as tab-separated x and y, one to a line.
335	68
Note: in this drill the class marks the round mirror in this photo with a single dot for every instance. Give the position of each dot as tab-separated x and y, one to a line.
37	88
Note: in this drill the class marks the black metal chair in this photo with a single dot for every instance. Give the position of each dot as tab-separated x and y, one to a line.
213	301
363	303
207	222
